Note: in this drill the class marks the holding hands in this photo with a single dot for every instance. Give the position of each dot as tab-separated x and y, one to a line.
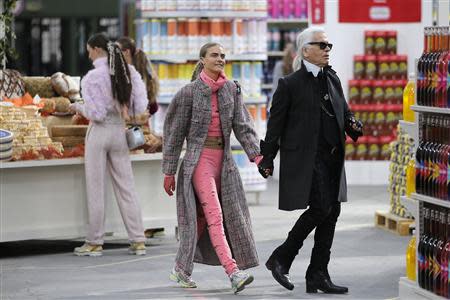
265	166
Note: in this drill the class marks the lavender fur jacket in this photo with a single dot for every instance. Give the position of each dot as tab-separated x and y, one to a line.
188	117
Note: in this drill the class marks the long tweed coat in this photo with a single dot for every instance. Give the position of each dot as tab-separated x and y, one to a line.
188	118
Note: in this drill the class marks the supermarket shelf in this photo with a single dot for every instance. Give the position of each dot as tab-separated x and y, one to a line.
431	200
250	100
203	14
409	128
412	205
275	53
429	109
285	21
182	58
409	290
69	161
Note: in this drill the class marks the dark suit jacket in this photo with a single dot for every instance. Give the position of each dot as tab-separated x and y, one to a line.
293	127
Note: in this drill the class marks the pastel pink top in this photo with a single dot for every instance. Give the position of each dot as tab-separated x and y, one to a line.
97	93
214	128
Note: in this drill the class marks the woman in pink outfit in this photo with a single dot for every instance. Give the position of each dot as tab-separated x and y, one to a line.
111	90
210	194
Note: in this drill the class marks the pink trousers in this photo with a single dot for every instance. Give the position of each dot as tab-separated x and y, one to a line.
206	181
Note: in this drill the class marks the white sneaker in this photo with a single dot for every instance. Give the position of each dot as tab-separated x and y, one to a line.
182	279
239	279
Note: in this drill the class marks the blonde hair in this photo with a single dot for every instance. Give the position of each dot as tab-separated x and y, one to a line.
303	38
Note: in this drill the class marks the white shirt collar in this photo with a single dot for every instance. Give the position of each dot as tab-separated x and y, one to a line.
312	68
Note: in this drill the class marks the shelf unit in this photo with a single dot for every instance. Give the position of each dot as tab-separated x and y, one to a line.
428	109
202	14
183	58
287	21
407	288
431	200
165	100
411	291
244	52
276	55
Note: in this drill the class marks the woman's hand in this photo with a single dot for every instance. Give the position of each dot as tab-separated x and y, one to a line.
169	184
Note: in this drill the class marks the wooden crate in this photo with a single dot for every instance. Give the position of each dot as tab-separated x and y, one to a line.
394	223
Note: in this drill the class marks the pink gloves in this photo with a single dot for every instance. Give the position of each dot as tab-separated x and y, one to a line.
169	184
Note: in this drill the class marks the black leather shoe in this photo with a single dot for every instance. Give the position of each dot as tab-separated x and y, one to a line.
319	281
279	272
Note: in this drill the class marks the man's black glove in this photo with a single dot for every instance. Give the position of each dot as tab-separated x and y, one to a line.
268	151
353	128
265	167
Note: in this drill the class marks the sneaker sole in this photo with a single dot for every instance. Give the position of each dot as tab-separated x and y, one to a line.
137	252
93	254
182	283
242	285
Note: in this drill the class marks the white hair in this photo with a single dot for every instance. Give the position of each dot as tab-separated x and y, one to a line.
303	38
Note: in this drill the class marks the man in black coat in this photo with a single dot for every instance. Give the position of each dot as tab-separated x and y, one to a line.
308	121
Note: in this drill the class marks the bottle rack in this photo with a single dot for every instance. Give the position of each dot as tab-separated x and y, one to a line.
407	288
415	204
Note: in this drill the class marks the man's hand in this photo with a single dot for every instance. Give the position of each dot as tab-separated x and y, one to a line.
354	128
169	184
265	167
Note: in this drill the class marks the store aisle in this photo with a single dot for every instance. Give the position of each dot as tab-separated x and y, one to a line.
368	260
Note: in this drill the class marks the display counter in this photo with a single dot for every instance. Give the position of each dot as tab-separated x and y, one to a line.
47	198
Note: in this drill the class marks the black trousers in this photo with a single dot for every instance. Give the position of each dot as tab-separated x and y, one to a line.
322	215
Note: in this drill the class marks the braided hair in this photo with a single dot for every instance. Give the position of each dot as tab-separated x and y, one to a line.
118	68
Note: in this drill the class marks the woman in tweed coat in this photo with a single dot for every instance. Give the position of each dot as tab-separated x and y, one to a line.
204	113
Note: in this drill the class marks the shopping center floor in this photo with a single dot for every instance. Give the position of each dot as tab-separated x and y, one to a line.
366	259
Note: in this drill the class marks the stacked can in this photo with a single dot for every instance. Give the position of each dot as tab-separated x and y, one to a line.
402	151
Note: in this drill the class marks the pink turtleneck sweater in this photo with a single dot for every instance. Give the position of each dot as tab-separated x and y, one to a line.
214	128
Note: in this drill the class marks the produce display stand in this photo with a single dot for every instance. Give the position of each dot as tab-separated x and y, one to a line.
44	199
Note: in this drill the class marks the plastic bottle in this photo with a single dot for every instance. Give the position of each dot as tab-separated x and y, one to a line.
408	99
411	259
411	177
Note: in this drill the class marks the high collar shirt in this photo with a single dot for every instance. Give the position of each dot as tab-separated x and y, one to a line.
312	68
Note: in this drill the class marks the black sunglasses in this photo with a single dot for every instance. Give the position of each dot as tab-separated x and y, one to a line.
322	45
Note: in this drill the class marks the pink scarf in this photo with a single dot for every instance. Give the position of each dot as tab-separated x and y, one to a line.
215	85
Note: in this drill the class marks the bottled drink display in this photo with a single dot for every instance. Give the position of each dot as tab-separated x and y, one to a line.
434	250
432	157
433	80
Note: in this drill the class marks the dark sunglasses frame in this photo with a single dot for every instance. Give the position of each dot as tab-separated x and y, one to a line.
322	45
